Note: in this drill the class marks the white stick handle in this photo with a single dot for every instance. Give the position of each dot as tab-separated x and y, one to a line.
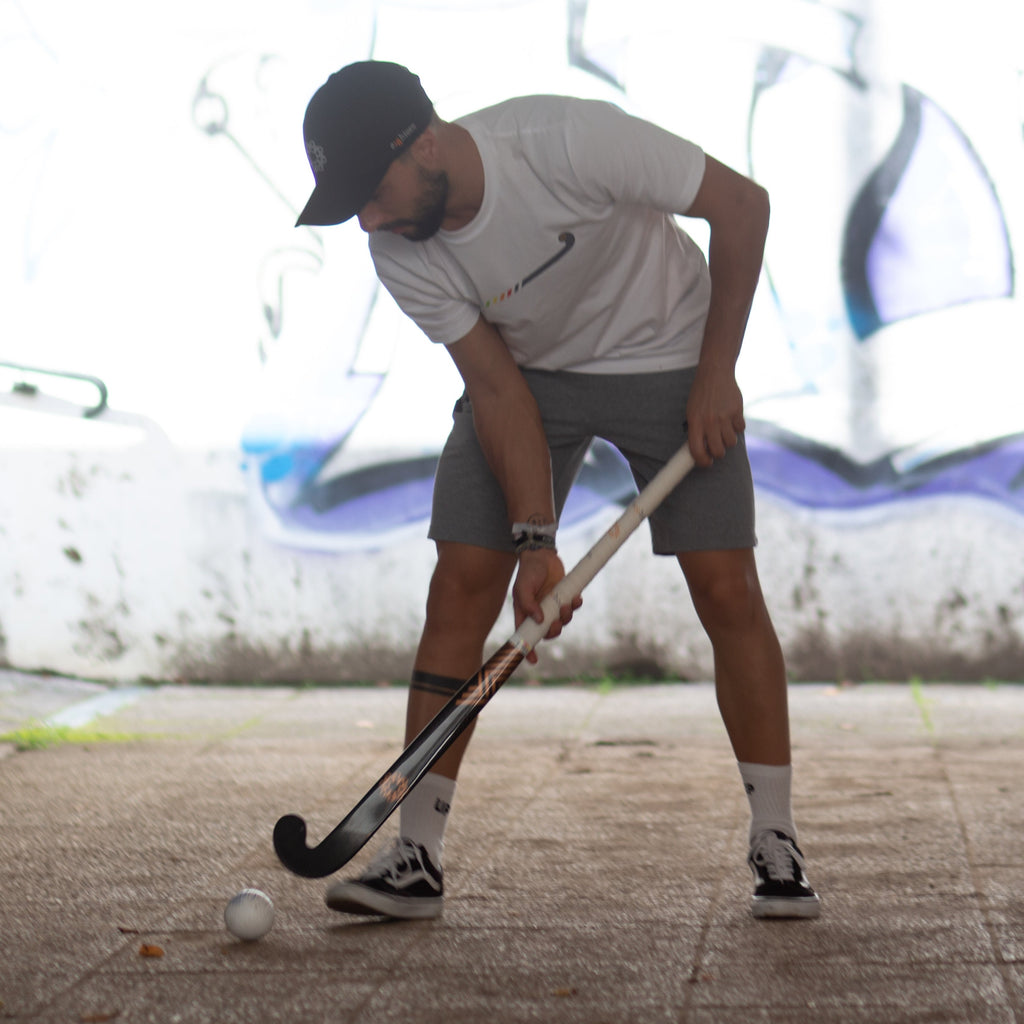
531	632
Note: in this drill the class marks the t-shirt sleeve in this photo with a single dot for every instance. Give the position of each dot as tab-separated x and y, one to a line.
436	297
619	158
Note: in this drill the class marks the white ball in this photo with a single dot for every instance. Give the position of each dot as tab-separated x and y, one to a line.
249	915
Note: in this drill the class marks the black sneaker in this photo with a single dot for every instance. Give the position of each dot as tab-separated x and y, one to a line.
781	888
401	882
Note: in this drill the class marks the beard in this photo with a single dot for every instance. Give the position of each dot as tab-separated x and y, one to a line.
430	208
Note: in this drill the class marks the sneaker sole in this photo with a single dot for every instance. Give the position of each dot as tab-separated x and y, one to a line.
351	898
797	906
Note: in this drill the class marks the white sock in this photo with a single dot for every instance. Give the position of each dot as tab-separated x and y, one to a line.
768	789
424	813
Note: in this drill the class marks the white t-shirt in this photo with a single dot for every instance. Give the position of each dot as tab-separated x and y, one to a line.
574	255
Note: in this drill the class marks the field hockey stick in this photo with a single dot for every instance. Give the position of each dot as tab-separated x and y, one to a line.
353	832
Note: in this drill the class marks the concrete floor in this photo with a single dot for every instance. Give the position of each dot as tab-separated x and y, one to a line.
594	872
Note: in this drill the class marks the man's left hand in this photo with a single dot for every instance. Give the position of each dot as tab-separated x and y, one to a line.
714	415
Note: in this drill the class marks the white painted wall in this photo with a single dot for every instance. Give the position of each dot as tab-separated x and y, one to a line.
147	562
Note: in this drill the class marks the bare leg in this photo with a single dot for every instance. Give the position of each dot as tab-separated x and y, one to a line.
466	594
750	681
467	591
750	673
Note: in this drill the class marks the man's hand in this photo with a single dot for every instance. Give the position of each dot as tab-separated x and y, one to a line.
714	415
539	571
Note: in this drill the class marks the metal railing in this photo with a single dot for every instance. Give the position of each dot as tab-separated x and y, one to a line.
28	388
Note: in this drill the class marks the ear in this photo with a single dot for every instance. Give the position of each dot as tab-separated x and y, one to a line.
426	147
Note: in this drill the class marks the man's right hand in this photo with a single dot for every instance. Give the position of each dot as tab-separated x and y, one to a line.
538	573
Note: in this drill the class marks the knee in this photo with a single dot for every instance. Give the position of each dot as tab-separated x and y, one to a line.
468	587
727	595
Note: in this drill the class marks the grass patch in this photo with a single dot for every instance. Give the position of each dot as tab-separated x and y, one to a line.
41	736
923	703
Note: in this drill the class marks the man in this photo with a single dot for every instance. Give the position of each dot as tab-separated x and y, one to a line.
536	240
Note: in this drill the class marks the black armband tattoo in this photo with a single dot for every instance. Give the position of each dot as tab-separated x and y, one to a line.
439	686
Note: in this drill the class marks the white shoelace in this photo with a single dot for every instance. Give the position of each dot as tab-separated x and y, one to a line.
778	856
395	859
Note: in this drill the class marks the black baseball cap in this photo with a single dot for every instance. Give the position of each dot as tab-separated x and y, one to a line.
357	123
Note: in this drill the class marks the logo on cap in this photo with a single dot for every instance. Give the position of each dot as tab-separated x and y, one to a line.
399	140
317	156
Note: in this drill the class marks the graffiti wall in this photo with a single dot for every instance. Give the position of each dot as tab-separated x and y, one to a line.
218	434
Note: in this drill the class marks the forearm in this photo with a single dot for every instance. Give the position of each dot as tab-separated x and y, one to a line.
509	428
735	255
737	212
511	434
508	423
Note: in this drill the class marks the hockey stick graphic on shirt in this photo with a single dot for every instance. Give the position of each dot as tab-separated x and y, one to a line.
567	240
353	832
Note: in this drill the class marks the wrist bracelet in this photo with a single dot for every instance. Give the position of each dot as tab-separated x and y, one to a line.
524	542
533	536
536	529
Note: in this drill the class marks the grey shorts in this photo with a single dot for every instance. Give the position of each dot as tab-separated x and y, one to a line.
643	416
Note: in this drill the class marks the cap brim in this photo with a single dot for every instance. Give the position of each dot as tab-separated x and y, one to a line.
322	210
336	202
